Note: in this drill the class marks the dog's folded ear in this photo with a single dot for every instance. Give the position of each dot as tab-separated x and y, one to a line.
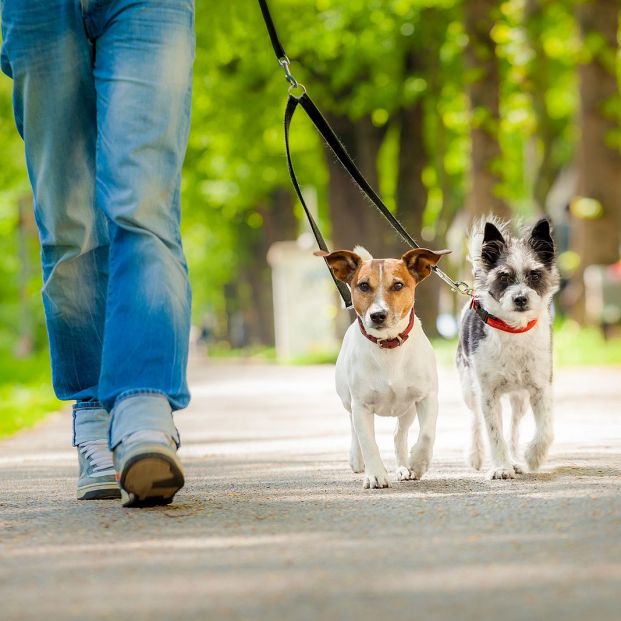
541	241
420	260
493	245
343	263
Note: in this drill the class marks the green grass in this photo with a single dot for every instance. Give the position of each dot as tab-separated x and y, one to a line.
577	347
255	352
26	394
573	347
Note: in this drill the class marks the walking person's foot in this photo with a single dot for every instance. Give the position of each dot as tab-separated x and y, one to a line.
148	469
97	478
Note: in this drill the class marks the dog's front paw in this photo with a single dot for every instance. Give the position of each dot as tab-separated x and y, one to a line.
418	467
404	474
501	473
534	455
518	469
474	457
376	480
356	461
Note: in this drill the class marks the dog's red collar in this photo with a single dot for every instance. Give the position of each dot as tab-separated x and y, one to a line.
499	324
389	343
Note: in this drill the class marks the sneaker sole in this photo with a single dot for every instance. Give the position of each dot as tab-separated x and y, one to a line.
150	478
99	491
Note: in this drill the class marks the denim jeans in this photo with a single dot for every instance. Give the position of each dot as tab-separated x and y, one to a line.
102	100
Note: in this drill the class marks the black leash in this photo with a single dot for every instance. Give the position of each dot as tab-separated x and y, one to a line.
292	104
341	154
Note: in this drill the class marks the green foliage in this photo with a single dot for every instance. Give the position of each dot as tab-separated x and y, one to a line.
362	59
25	391
352	55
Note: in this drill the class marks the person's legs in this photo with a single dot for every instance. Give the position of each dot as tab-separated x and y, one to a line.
143	62
47	54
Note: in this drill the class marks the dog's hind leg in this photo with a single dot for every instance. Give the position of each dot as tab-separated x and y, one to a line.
541	402
421	452
401	444
356	460
519	404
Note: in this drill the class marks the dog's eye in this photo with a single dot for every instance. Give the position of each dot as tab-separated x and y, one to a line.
397	286
535	276
364	286
505	278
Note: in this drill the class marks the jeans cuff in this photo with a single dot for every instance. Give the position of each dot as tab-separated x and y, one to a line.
90	422
140	411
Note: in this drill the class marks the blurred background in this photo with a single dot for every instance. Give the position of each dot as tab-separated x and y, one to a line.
452	109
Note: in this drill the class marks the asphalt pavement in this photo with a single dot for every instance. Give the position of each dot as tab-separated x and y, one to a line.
272	524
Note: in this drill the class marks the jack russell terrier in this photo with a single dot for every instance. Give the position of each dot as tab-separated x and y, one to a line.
386	365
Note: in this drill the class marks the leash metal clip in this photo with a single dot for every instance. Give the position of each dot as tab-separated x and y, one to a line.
460	286
464	288
284	62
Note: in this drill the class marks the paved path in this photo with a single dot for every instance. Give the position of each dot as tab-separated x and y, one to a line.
273	525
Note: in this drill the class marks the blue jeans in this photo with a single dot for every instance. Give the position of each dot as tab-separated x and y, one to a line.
101	98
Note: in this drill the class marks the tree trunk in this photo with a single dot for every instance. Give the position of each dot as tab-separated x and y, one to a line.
411	191
412	200
596	236
279	224
484	94
354	220
548	130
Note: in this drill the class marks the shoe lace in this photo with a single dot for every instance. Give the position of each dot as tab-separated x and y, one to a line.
98	454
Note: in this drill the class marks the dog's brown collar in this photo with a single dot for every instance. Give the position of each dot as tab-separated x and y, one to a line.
389	343
499	324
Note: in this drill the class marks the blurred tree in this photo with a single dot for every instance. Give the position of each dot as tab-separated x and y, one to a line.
551	82
596	213
484	92
21	316
442	103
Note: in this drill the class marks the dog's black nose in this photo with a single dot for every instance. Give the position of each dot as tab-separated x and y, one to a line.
379	317
520	301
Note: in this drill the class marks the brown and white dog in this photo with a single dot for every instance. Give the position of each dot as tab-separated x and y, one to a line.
386	365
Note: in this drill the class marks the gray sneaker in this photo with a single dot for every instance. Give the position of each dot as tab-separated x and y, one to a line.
97	478
150	472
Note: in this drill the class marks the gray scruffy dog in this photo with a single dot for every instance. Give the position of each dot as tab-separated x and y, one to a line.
505	344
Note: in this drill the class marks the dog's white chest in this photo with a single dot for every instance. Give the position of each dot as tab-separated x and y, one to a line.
515	360
389	396
387	382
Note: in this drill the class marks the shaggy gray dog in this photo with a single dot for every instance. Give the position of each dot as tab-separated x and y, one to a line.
505	345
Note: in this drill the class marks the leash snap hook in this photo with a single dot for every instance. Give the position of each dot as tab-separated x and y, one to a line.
464	288
284	62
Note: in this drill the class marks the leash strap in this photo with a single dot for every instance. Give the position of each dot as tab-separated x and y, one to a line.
292	104
344	158
279	50
348	164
